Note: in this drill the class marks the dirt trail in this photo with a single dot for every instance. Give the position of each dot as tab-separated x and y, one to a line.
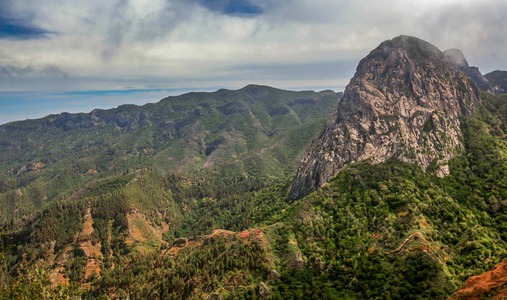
270	147
406	241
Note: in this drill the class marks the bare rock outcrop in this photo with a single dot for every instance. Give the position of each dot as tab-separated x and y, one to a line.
498	80
298	262
263	290
274	275
405	102
318	266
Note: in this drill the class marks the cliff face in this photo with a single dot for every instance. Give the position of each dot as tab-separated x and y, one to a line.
459	59
498	81
489	285
405	101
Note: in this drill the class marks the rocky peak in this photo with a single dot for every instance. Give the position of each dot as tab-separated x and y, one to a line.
405	101
457	57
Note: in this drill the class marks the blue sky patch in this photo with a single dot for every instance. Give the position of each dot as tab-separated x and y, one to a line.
33	105
232	7
112	92
11	28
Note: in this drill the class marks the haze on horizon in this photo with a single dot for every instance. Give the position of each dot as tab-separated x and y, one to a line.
74	56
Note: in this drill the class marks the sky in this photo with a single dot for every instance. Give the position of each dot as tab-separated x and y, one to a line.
74	56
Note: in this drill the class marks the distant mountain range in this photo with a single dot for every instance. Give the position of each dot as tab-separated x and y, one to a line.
257	130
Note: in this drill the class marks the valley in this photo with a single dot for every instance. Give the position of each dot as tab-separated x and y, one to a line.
395	189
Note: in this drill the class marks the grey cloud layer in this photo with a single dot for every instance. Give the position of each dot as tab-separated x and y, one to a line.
11	72
138	39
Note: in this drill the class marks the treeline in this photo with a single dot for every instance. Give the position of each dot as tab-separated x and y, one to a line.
234	203
224	262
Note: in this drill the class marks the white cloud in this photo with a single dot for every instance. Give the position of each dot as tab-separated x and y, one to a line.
183	43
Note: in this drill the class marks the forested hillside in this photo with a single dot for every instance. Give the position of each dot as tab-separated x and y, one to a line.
190	198
81	194
388	230
256	131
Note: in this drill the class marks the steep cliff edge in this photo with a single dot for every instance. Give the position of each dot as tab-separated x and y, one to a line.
459	59
405	101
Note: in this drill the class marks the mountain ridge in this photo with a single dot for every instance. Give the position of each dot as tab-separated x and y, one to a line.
207	214
404	101
264	127
498	79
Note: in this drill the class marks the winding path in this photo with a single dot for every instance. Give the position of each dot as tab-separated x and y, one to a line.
405	241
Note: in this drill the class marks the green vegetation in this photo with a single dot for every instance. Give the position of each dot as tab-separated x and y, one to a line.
357	222
255	131
386	231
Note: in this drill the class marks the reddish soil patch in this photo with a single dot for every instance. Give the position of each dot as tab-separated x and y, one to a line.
485	285
413	235
372	249
220	232
251	233
423	248
93	253
37	166
57	278
402	212
173	251
244	234
256	121
62	259
91	267
91	250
